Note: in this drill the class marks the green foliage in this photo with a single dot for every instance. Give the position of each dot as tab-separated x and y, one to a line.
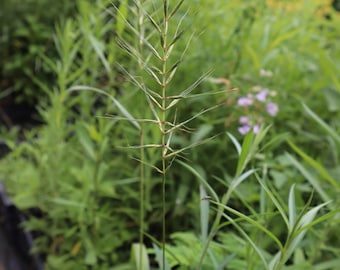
139	163
23	39
68	168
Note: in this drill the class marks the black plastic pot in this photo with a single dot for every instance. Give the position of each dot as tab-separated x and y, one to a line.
15	243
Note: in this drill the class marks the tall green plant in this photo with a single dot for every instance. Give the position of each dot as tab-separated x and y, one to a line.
154	54
66	164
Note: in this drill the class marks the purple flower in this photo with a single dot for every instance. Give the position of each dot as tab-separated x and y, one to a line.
244	129
244	101
261	96
272	108
244	120
256	129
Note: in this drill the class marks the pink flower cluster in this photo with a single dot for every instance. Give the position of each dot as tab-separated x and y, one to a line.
254	104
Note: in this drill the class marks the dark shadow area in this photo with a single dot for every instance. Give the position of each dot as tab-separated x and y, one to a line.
15	243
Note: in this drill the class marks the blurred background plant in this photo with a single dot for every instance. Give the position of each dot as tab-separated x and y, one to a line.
67	159
73	167
23	39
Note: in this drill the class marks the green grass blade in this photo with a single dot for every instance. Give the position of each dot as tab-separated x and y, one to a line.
316	165
245	153
331	132
121	108
251	221
251	242
291	208
234	184
311	179
301	229
235	142
275	201
204	211
249	147
140	263
99	49
159	258
202	180
120	19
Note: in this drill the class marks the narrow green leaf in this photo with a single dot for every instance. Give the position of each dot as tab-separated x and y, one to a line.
204	210
86	142
192	118
316	165
275	261
257	249
251	221
72	77
149	93
171	75
311	179
43	86
202	132
309	216
122	109
284	36
225	262
120	18
168	142
156	244
332	97
234	184
159	258
202	180
123	19
124	181
154	68
129	49
174	66
235	143
178	5
153	75
153	22
261	135
326	265
153	50
91	256
274	200
323	218
50	63
140	263
188	90
99	49
250	145
335	135
291	208
301	230
151	103
174	40
165	7
177	152
245	153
